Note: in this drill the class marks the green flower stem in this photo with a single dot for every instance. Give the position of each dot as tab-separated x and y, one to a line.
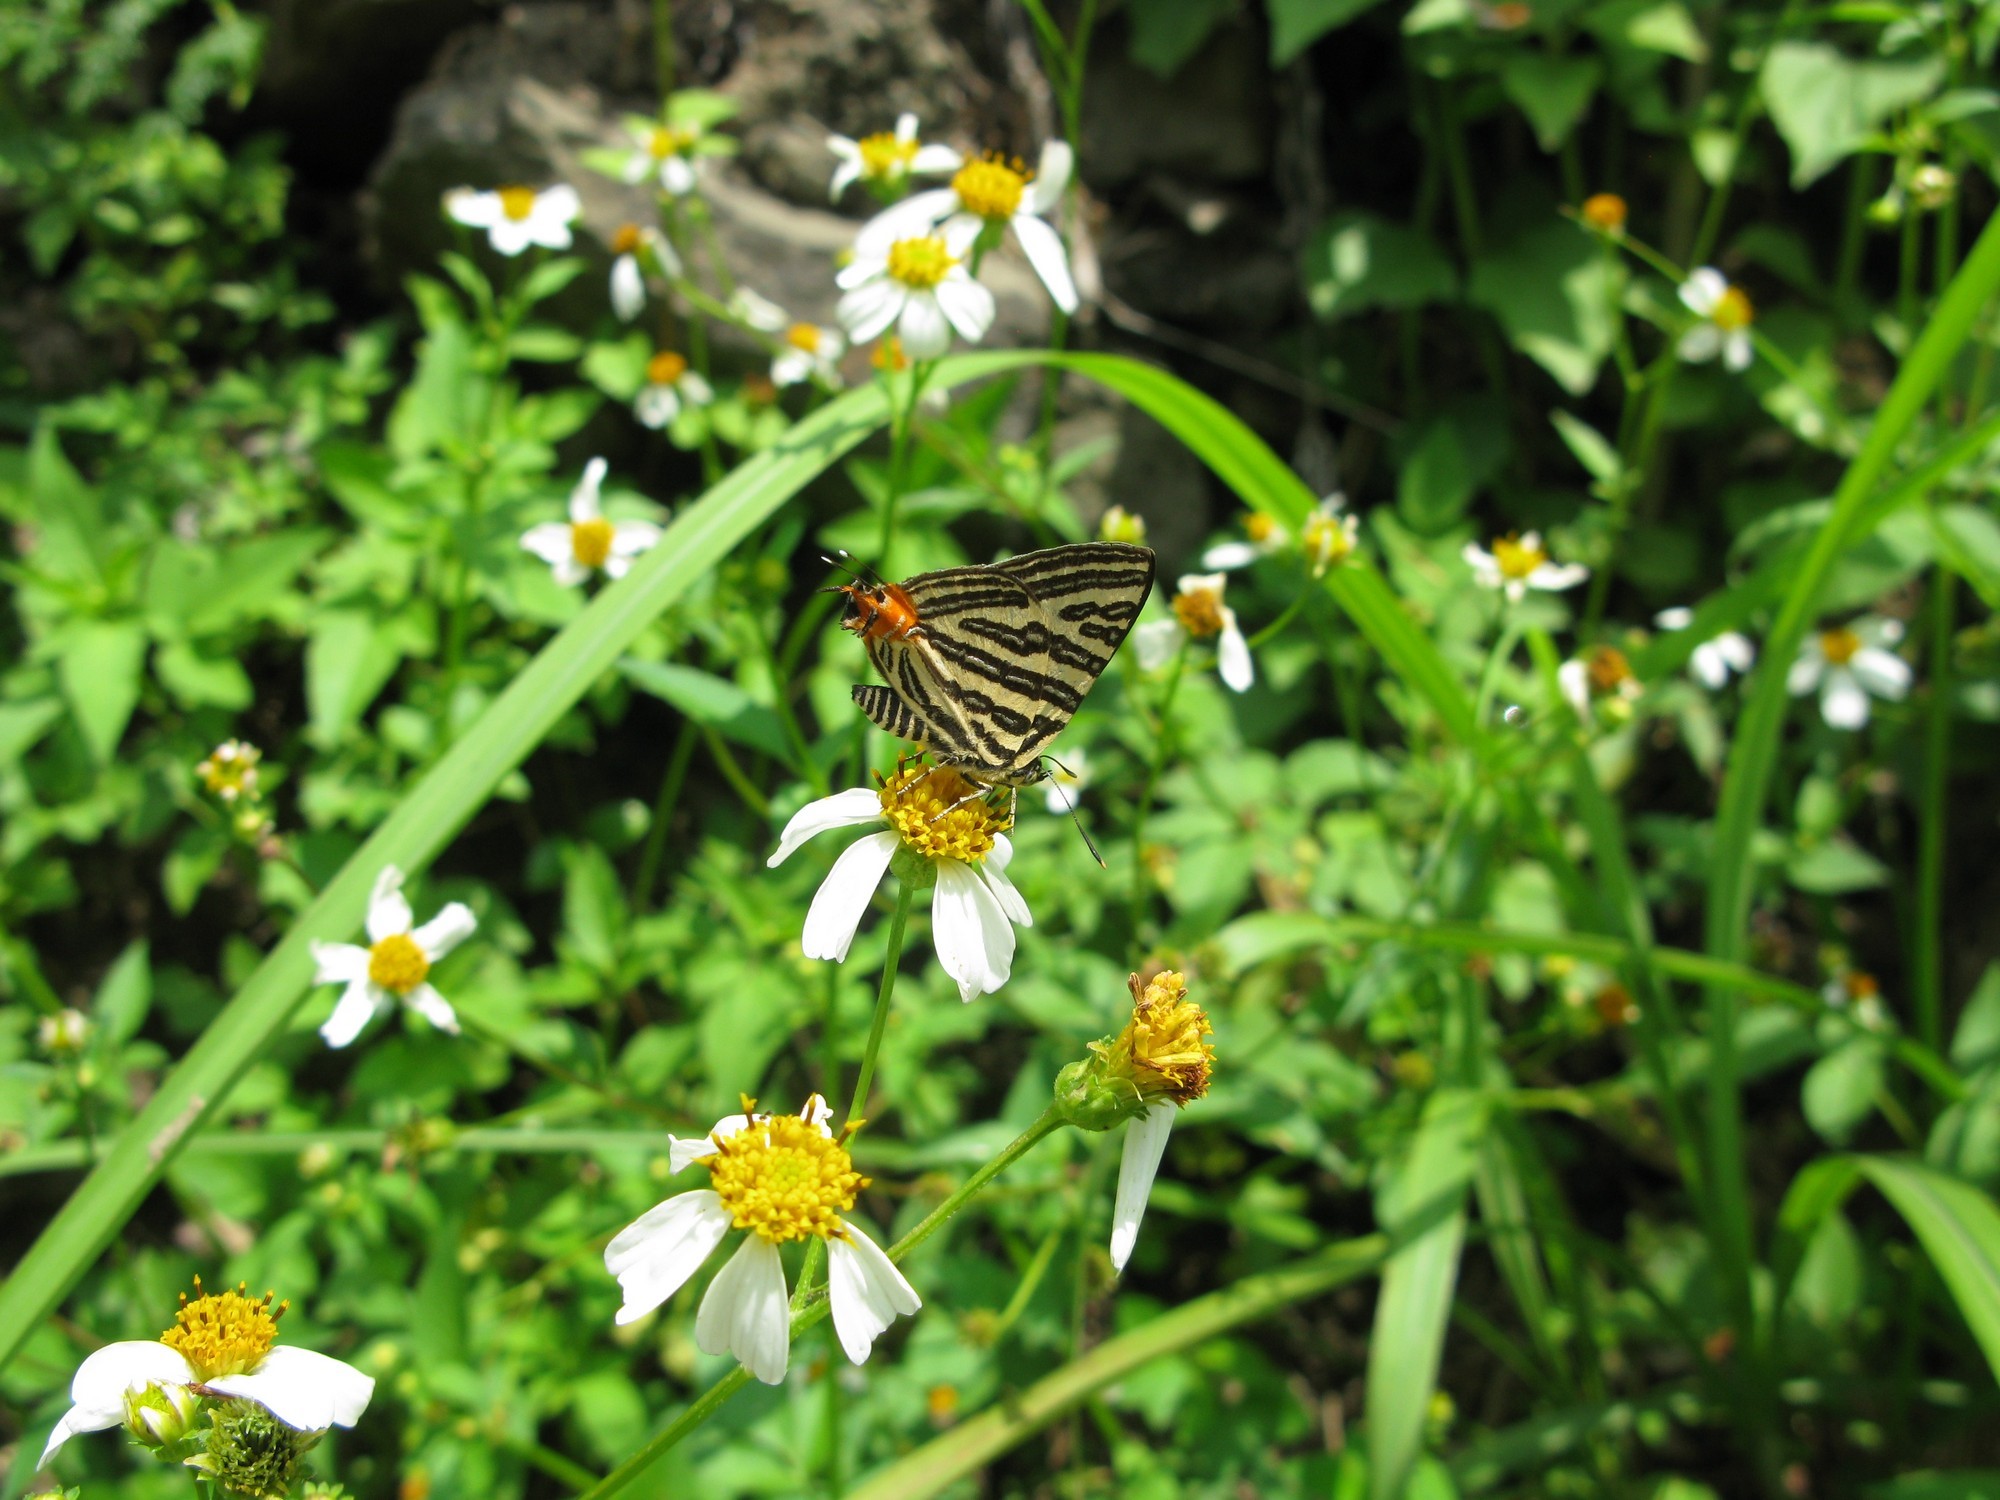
1161	743
665	63
1285	617
672	780
891	960
1926	952
899	455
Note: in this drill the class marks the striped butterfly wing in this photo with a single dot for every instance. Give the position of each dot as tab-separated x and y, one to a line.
1005	653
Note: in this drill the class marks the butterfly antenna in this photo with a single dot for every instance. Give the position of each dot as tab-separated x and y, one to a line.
843	562
1069	803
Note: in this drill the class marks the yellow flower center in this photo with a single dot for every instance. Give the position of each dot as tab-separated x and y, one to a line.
397	963
784	1178
884	155
803	336
1862	986
223	1333
1518	559
517	202
1200	611
1327	539
230	771
1259	527
590	541
665	141
1732	310
941	815
665	367
1162	1052
1607	669
920	263
990	186
1839	645
626	240
1605	211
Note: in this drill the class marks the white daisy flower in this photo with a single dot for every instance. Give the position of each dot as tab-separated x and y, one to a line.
1519	563
1328	537
631	246
806	351
782	1177
919	284
670	385
221	1344
1199	613
885	161
587	541
669	154
394	966
230	771
1849	664
1602	676
939	824
516	217
1064	788
990	194
1714	659
1725	314
65	1033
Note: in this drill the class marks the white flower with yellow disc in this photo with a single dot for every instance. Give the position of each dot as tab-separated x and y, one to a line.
941	828
1850	664
1725	313
669	154
885	161
631	247
587	542
516	217
805	351
671	384
396	964
1199	613
916	282
221	1344
1519	563
782	1178
990	194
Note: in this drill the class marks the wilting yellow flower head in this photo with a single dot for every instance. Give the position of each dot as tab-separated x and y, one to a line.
1161	1056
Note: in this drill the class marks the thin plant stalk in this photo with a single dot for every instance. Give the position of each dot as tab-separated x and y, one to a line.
891	960
1926	947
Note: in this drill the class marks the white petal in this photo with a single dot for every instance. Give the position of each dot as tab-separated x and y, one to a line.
843	897
744	1313
559	204
860	270
1555	577
630	538
1232	661
510	236
1805	672
1701	343
585	503
677	175
1051	176
1842	703
1226	555
759	311
388	911
916	215
968	305
791	367
1710	667
695	389
993	870
628	288
1736	650
684	1151
1702	292
653	1257
101	1382
475	210
445	931
568	571
841	810
975	941
923	328
339	963
869	309
844	176
1574	680
867	1291
552	541
906	126
1044	249
302	1389
433	1007
1884	675
656	406
1677	618
936	159
360	1005
1738	350
1145	1144
1155	643
616	567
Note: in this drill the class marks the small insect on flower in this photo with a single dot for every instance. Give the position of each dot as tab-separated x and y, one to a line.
916	282
943	831
222	1345
631	248
230	771
1199	613
396	964
587	542
1714	659
1849	664
516	217
1519	563
1725	313
671	384
782	1178
885	161
990	194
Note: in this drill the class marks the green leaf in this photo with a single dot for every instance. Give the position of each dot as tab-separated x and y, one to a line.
1297	24
1969	539
350	657
1826	104
544	343
1829	1284
100	669
1663	26
1840	1089
550	277
22	726
125	995
1592	448
1166	33
1976	1041
1451	459
1835	868
617	369
594	912
1967	1484
198	680
714	701
1553	92
68	512
1358	262
1554	293
1959	1228
251	576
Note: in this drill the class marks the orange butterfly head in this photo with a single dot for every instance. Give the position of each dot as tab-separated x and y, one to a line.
879	611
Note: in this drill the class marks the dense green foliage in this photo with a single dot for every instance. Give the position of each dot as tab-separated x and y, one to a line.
1606	1091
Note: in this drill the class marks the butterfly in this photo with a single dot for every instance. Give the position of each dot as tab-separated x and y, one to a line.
985	665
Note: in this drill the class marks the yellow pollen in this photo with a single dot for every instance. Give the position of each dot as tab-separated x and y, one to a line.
1839	645
1518	559
397	963
784	1178
920	263
1607	669
803	336
1259	527
517	202
1605	211
941	815
223	1333
590	541
665	367
665	141
1200	612
1162	1052
990	186
626	240
230	771
883	154
1732	310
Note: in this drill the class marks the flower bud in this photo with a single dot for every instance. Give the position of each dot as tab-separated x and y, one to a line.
250	1452
1119	525
161	1415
